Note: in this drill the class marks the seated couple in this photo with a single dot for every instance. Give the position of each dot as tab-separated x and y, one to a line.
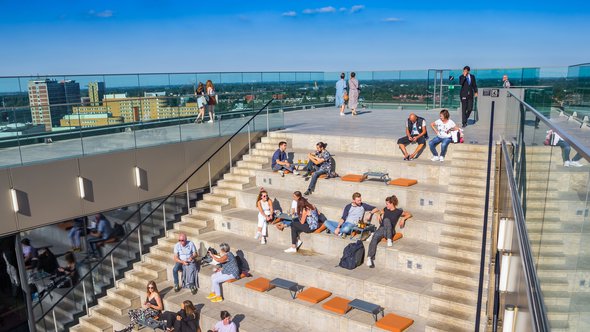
306	220
280	161
352	214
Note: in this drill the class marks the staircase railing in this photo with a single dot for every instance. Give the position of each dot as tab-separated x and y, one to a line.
137	228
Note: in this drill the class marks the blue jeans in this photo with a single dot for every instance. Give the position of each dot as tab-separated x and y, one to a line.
436	141
565	151
346	227
314	178
278	167
92	245
177	268
74	236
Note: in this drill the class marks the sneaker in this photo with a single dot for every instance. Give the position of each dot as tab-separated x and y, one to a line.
567	164
370	263
257	236
210	121
263	240
176	288
217	299
434	158
576	164
193	290
299	243
282	173
295	173
389	243
441	159
370	237
341	114
308	192
290	250
406	158
211	296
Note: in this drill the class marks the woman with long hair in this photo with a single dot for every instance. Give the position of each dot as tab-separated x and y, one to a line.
353	93
201	102
443	128
185	320
265	215
340	92
152	307
307	223
212	100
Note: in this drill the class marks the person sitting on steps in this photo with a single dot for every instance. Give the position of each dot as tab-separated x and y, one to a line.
225	324
443	128
185	320
229	270
307	223
185	253
352	213
389	218
152	307
280	161
265	215
319	163
415	133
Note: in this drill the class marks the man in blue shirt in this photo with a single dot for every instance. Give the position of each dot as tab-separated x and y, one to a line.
352	214
280	162
103	232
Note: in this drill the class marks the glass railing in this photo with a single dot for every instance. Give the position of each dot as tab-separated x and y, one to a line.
57	305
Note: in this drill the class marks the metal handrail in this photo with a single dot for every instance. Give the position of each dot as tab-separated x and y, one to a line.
136	228
575	143
533	288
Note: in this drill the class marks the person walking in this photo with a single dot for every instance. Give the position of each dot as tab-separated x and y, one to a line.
353	93
340	92
505	82
212	100
468	92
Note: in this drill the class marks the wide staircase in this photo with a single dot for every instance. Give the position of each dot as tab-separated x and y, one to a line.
430	275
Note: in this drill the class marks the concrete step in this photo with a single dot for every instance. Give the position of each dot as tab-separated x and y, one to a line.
249	164
467	240
224	199
476	209
452	316
456	275
243	171
114	304
112	317
238	178
95	324
232	184
257	159
196	219
125	296
559	284
213	205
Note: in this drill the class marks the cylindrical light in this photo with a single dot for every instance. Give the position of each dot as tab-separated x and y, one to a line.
509	318
81	187
14	199
504	271
137	176
505	232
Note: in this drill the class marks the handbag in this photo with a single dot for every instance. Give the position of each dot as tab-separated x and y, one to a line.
212	100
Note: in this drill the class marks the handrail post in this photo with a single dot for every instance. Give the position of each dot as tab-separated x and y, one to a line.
164	218
139	242
54	320
267	122
249	140
85	297
209	170
230	166
114	276
188	199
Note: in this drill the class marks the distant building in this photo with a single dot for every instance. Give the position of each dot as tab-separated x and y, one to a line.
154	94
49	100
90	120
115	96
96	92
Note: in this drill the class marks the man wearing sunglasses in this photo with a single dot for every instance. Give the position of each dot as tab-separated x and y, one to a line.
185	254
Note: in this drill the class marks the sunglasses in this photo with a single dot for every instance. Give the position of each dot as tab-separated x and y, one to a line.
263	196
150	287
181	240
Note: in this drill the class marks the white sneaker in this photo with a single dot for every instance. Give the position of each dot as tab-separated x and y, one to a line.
369	262
575	164
567	163
282	173
370	237
290	250
441	159
295	173
299	243
263	240
434	158
210	121
257	236
389	243
341	114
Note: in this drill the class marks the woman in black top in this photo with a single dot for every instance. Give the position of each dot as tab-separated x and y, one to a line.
69	271
389	218
152	307
185	320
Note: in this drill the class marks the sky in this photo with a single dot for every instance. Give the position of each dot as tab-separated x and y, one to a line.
158	36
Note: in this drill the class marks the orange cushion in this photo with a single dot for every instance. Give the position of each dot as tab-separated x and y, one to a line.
323	176
313	295
320	229
403	182
242	276
396	237
337	305
394	323
354	178
259	284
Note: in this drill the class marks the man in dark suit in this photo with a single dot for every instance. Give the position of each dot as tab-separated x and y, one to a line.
468	91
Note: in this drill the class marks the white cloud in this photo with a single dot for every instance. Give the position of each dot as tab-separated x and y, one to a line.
343	9
103	14
290	14
322	10
356	8
392	19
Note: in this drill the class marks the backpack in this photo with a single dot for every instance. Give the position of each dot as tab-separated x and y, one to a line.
353	255
118	231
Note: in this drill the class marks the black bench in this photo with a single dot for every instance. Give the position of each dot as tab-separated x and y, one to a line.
365	306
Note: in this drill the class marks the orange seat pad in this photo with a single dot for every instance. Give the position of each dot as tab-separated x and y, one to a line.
396	237
337	305
259	284
354	178
313	295
394	323
320	229
403	182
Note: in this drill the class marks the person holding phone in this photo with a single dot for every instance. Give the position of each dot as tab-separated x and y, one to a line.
443	128
468	92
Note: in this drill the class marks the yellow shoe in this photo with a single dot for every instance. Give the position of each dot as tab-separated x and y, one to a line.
217	299
211	296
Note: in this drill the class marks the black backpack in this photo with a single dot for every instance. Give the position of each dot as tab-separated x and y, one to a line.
353	255
118	231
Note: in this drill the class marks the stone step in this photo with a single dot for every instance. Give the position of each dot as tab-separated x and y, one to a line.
196	219
232	184
95	324
145	277
554	284
274	140
476	210
158	259
243	171
219	198
449	315
467	240
456	275
112	317
125	296
205	214
113	304
557	298
453	287
213	206
480	165
462	250
257	159
433	325
190	230
246	179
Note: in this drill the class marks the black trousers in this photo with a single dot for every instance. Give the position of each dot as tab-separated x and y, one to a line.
466	109
298	228
386	230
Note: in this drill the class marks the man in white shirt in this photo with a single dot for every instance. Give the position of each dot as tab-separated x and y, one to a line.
185	253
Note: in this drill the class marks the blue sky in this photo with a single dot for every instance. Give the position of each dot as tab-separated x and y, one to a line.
105	36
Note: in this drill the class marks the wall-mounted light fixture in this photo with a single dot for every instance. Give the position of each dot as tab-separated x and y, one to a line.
86	189
141	179
505	232
14	198
508	272
137	176
81	187
509	321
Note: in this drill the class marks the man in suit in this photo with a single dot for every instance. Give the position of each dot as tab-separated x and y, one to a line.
468	91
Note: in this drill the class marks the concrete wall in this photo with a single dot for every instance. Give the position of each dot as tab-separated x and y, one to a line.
49	192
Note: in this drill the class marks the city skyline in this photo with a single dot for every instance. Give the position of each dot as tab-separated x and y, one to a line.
149	36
